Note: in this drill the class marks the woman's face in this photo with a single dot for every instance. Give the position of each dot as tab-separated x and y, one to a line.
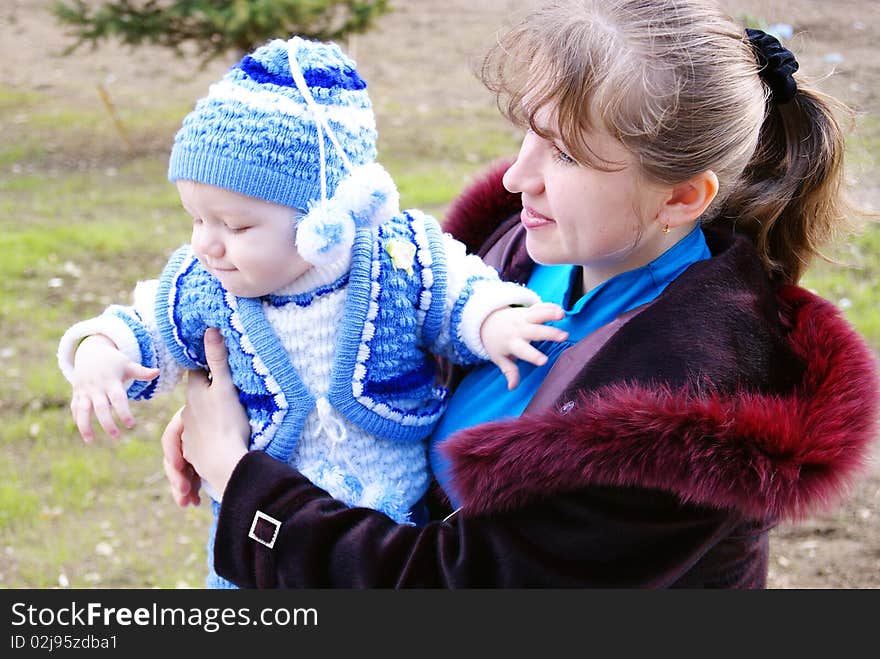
573	213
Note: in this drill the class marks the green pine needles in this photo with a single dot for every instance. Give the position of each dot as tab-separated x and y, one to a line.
214	27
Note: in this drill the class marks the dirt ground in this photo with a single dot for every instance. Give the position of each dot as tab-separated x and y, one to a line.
418	59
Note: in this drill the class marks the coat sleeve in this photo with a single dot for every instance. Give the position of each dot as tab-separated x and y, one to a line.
596	537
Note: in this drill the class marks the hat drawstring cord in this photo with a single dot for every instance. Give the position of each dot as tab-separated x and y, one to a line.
317	113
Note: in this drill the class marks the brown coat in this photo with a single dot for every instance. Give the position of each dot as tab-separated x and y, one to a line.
725	406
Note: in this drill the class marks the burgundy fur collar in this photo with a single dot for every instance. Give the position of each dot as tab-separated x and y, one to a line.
783	456
485	204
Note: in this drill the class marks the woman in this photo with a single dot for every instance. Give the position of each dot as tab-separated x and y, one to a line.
673	184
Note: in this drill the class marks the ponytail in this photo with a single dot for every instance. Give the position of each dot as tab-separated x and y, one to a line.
789	200
686	90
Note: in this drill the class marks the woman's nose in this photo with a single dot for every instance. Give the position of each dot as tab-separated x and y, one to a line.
524	175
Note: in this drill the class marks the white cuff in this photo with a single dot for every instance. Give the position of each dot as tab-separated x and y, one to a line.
488	296
113	327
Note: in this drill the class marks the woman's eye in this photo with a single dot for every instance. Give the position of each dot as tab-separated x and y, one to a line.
562	156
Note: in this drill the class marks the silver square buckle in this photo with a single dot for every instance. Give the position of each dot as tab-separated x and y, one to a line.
261	516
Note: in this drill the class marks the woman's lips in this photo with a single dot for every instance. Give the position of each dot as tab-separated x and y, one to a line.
532	219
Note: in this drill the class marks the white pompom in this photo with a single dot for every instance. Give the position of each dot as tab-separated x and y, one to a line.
366	197
369	194
325	234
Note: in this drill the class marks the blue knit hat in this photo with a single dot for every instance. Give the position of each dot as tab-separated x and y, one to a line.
292	124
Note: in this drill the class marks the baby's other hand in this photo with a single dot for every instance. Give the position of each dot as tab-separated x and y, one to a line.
507	335
100	370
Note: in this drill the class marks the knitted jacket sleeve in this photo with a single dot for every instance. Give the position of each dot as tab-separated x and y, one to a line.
137	330
473	291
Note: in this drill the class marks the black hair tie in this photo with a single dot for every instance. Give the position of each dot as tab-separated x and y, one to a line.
777	64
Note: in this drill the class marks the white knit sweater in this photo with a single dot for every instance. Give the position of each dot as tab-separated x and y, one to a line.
308	334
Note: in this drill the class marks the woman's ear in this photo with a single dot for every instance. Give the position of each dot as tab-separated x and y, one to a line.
688	200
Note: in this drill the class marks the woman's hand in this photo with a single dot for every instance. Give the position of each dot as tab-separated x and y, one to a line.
210	435
183	479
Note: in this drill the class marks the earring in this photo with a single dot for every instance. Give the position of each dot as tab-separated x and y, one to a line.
665	228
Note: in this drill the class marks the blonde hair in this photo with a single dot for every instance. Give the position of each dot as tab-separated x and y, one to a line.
676	82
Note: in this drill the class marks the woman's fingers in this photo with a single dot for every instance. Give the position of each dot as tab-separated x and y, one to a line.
194	487
179	489
218	358
184	484
171	438
182	479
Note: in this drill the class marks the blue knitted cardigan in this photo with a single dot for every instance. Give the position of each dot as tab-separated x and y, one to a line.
382	378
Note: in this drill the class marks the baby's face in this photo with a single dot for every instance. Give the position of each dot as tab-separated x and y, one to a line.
247	243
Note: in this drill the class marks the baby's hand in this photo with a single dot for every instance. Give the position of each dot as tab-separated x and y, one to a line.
507	335
100	370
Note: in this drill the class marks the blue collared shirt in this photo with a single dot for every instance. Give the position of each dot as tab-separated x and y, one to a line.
483	396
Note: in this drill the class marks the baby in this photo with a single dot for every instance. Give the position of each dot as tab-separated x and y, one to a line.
333	304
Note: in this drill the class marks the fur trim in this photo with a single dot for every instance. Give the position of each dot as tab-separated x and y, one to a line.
777	457
483	205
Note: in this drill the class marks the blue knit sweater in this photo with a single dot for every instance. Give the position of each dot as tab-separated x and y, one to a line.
397	312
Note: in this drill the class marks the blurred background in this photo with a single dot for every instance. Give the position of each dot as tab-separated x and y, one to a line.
86	211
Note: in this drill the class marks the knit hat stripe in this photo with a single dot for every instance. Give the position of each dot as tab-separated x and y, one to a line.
346	78
275	137
250	146
325	97
267	101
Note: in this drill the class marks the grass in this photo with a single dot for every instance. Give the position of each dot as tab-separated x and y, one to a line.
82	218
853	283
16	502
863	146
